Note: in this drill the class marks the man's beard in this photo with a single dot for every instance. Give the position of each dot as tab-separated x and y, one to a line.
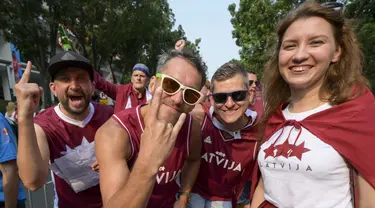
65	104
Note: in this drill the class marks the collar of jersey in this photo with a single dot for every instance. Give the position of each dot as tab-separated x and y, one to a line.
235	134
67	119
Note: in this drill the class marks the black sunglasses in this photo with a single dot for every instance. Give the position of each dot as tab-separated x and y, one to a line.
257	83
221	97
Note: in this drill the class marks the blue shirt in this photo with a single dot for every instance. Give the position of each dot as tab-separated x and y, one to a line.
8	152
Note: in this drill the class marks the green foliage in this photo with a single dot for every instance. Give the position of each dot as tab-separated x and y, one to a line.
362	15
134	31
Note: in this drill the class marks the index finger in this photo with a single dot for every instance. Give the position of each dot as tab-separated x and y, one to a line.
26	74
154	105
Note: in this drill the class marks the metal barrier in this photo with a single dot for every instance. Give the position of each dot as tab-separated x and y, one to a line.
42	198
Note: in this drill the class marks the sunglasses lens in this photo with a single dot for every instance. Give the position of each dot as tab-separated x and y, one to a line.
191	96
251	82
239	96
170	85
220	97
257	83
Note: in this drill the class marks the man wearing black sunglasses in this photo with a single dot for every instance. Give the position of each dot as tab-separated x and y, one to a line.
138	169
253	85
229	141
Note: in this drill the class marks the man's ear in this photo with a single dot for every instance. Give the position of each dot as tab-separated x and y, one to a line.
52	87
151	85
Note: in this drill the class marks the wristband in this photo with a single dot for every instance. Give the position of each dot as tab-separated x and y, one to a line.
186	193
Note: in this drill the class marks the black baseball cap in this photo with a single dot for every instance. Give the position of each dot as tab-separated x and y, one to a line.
68	59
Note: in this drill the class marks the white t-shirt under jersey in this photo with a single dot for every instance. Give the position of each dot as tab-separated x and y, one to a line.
313	175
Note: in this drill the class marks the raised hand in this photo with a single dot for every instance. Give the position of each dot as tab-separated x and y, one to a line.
28	95
159	137
180	44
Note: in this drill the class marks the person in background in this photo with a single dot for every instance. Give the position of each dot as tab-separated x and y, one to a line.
11	111
129	95
11	189
253	83
256	101
317	147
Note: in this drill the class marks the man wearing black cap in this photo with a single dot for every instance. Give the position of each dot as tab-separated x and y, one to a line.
59	131
129	95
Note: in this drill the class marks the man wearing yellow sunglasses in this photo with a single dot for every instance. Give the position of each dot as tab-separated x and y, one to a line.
143	151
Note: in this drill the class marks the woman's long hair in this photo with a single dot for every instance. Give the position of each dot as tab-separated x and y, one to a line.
342	77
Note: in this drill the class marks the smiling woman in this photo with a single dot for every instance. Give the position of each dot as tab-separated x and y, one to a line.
321	107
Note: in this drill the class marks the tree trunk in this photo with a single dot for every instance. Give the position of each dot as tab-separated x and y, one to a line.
45	78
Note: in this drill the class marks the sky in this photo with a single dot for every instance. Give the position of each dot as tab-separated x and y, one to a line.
210	21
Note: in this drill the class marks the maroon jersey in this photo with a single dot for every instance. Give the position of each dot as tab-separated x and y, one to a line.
226	157
124	95
64	134
167	180
258	103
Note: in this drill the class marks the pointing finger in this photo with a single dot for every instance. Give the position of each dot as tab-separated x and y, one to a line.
26	74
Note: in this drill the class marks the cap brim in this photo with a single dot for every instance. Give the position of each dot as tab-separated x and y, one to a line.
54	68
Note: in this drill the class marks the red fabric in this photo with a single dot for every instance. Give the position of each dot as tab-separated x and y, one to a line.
346	127
119	93
258	104
266	204
166	186
225	162
60	136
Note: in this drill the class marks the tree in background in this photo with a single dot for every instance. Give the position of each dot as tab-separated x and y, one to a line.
102	30
362	14
254	23
29	25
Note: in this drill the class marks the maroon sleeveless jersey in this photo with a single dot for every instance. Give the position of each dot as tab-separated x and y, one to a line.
168	178
64	134
226	159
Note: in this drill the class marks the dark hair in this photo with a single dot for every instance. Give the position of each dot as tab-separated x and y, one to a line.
186	54
227	71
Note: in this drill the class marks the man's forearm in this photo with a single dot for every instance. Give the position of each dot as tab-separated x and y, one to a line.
188	177
106	87
29	159
10	184
138	188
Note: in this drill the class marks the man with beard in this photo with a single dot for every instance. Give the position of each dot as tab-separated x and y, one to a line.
130	95
229	140
60	130
137	173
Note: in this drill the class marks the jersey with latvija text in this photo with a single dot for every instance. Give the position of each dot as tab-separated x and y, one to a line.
225	157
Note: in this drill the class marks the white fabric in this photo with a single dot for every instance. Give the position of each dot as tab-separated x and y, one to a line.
12	117
129	103
235	134
319	178
67	119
